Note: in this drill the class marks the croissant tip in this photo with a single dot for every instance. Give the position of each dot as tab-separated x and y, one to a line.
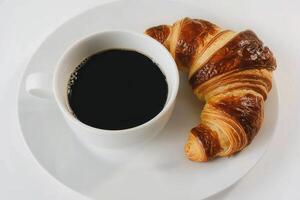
194	150
159	33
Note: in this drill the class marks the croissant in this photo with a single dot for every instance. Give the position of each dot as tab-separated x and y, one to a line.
231	72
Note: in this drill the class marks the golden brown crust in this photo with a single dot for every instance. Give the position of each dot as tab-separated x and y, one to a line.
244	51
259	80
194	34
231	72
247	110
194	150
217	42
208	139
159	33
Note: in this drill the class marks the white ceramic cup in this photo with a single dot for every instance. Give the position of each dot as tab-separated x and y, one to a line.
46	86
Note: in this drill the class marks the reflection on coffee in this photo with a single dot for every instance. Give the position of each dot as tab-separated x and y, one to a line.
117	89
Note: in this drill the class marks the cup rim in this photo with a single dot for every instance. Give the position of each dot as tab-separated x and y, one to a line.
167	106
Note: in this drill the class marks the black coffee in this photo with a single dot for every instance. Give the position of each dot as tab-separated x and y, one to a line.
117	89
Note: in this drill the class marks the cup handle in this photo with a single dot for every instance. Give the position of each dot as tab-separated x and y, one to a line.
39	85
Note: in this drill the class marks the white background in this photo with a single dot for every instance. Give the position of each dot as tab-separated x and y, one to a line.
25	24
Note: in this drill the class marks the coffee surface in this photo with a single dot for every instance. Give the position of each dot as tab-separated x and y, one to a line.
117	89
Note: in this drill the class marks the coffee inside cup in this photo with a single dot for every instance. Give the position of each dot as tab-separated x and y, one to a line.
117	89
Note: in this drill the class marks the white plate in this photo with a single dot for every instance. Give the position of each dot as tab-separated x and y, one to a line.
158	170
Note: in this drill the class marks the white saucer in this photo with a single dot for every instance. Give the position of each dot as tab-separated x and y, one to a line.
157	170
